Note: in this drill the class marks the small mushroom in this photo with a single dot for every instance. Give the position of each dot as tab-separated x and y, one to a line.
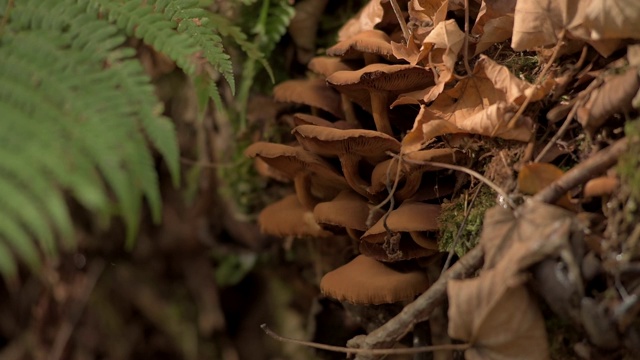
348	210
306	119
350	146
411	171
288	217
298	164
369	44
417	219
312	92
325	66
382	83
366	281
601	186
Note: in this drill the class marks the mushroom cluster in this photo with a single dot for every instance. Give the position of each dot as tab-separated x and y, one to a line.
350	173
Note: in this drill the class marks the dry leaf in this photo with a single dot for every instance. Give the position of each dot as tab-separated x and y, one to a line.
536	176
538	23
494	23
424	15
366	19
498	317
410	52
515	89
442	47
614	96
612	19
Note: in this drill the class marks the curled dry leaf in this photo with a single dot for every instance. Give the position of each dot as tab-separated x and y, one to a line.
538	23
368	17
612	19
424	15
498	317
614	96
443	46
494	23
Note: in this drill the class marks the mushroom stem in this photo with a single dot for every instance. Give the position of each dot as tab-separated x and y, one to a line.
302	184
351	172
380	110
347	109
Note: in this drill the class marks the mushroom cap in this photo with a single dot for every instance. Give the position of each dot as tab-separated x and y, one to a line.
368	41
306	119
348	210
327	65
408	217
409	249
288	217
379	174
335	142
312	92
600	186
395	79
290	161
367	281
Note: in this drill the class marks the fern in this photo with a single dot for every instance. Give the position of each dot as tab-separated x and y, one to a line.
77	111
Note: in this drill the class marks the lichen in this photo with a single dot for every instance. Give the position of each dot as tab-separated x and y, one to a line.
453	215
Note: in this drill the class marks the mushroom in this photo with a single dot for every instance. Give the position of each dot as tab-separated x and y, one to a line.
369	44
325	66
348	210
288	217
414	218
601	186
306	119
382	83
312	92
350	146
299	164
366	281
406	250
411	171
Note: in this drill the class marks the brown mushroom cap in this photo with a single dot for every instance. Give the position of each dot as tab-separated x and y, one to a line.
298	164
408	217
366	42
288	217
312	92
408	249
370	144
306	119
326	65
411	171
601	186
367	281
348	210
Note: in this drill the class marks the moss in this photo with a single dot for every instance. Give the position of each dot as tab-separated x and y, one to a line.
630	162
523	66
453	215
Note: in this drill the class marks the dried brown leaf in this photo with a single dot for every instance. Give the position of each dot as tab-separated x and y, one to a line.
612	19
443	45
539	22
368	17
498	316
424	15
493	24
536	176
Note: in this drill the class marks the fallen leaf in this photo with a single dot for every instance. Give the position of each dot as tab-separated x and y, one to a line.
424	15
498	317
366	19
614	96
538	23
409	52
493	24
442	47
516	90
536	176
612	19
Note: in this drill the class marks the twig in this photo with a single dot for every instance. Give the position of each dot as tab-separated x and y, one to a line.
389	197
460	229
66	329
581	173
465	54
543	73
420	309
403	24
347	350
473	173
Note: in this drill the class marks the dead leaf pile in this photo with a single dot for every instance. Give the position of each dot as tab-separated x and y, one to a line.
438	77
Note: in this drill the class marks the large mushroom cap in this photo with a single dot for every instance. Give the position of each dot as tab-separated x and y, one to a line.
312	92
367	281
393	78
288	217
326	65
306	119
333	142
367	42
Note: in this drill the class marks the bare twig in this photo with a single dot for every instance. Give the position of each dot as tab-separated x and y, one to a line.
347	350
403	24
473	173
